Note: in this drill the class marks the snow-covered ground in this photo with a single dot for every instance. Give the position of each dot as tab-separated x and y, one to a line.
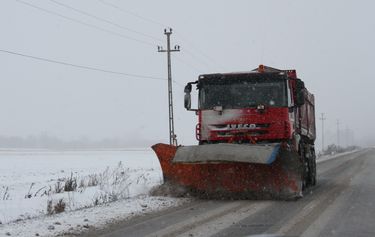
333	156
108	185
91	188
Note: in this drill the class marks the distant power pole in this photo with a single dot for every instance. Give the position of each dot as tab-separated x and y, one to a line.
322	118
172	135
346	136
338	133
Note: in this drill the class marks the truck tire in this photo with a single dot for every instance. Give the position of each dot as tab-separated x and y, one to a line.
313	168
309	167
305	168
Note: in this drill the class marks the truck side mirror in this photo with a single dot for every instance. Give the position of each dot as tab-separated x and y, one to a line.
187	88
300	92
187	101
187	97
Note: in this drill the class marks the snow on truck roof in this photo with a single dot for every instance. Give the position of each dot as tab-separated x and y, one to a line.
260	69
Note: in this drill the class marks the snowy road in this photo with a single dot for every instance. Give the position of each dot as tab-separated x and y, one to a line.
342	204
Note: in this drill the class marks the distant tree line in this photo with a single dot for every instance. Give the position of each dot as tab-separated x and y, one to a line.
47	141
333	149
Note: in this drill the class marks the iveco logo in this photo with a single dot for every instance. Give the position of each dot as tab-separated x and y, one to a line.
241	126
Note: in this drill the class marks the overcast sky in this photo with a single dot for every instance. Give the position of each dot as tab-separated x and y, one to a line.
329	43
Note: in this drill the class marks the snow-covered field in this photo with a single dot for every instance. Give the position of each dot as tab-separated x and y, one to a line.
106	186
36	185
333	156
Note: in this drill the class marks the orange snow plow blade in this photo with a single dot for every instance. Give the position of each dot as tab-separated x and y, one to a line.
232	170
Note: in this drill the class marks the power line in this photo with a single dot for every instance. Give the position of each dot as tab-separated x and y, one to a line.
193	68
82	66
179	35
197	58
102	29
133	14
90	68
104	20
85	24
192	45
96	27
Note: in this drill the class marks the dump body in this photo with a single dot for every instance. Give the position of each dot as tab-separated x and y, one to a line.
256	133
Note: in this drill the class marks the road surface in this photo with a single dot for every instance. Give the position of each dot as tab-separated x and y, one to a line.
342	204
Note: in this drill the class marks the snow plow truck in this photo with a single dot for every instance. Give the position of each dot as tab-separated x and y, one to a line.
256	133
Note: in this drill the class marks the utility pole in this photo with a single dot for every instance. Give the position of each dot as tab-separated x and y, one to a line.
346	136
338	133
322	118
172	135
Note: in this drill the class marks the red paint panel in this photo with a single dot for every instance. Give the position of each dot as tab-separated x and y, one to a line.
275	117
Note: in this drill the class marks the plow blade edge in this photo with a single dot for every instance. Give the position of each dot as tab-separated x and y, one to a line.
211	153
232	170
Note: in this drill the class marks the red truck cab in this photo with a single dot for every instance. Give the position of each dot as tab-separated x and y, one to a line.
261	106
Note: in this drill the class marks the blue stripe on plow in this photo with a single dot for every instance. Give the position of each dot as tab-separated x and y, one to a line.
273	155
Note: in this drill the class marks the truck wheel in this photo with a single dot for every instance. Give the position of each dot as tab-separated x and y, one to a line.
305	167
312	173
307	172
313	168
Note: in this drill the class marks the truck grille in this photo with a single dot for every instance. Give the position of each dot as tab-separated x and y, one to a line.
239	126
239	133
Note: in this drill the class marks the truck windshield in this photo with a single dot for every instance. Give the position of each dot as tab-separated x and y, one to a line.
243	95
